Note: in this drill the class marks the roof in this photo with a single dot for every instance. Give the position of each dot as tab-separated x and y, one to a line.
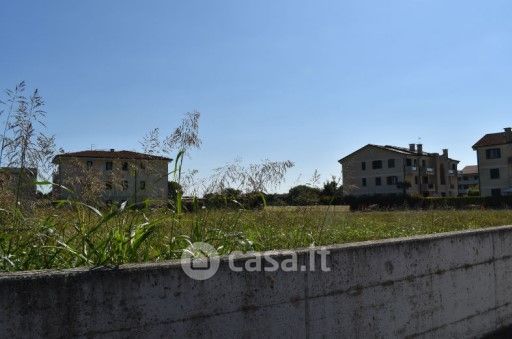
492	139
471	169
111	155
396	149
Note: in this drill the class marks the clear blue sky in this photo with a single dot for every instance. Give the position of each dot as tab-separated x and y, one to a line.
309	81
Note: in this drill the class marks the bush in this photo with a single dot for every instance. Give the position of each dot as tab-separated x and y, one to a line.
399	201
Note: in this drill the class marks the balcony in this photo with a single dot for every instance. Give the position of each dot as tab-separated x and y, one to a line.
429	171
411	169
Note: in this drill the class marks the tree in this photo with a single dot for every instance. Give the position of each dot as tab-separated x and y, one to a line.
330	188
24	145
184	138
174	189
303	195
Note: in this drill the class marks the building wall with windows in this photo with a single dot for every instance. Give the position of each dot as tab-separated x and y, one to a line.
468	179
494	169
111	176
494	156
375	169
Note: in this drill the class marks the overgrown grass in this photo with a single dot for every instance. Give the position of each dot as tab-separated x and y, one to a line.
79	235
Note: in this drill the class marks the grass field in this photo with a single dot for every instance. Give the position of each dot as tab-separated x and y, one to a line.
79	235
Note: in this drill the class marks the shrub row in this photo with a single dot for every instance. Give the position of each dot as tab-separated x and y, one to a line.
407	202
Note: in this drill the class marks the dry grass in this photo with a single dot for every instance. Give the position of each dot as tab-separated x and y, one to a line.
78	235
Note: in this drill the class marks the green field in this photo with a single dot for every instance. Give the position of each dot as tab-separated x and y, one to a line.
78	235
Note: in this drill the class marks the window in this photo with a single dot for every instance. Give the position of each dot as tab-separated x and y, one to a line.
108	186
495	173
89	163
377	164
475	177
142	185
423	163
408	162
125	185
496	192
108	166
125	166
363	182
391	163
142	165
415	179
493	153
425	180
465	178
391	180
378	181
454	167
363	165
442	174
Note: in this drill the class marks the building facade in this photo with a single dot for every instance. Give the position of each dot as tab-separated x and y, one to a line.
111	176
494	156
376	169
468	179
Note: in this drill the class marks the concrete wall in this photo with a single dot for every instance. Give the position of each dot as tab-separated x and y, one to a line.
448	285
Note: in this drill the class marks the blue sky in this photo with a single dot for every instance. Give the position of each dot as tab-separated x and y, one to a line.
308	81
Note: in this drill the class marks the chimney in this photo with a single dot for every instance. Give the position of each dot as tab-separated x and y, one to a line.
420	148
112	150
412	147
445	152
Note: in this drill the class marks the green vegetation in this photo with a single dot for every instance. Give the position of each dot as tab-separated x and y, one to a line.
75	234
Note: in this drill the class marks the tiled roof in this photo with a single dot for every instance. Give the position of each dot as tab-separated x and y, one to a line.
472	169
401	150
493	139
110	155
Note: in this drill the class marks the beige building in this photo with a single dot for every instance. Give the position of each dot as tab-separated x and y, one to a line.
494	156
111	176
375	169
468	179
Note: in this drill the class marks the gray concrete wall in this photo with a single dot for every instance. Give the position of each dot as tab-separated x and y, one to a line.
448	285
